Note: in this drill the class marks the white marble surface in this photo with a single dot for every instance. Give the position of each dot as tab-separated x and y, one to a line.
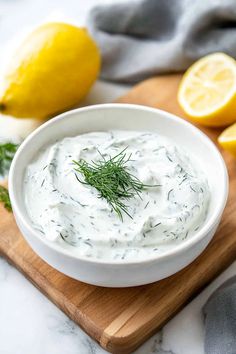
29	323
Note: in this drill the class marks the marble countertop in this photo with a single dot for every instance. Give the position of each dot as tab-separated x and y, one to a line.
29	322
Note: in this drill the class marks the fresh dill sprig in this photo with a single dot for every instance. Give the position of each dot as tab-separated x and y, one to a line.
112	179
4	198
7	152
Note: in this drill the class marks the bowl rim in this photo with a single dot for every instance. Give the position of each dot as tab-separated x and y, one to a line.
176	250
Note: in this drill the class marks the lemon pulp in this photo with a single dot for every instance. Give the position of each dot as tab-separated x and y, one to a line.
207	92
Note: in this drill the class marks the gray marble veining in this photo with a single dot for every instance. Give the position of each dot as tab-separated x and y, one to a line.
29	322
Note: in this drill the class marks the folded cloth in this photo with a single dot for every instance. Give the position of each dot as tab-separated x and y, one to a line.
220	320
139	39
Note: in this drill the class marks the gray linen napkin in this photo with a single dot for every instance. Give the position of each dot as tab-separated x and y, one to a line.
220	320
139	39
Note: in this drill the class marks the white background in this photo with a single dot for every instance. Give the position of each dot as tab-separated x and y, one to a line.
29	323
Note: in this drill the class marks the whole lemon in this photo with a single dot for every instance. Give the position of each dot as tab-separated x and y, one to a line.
52	70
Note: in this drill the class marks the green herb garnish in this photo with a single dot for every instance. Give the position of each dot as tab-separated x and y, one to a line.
7	152
112	179
4	198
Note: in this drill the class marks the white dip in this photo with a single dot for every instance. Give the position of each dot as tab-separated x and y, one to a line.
70	213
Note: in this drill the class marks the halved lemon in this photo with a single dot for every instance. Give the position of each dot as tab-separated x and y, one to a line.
207	92
227	139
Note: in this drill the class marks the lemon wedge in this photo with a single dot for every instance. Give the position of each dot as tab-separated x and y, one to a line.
207	92
227	139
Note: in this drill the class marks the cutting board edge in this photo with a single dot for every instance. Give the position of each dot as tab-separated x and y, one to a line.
123	344
115	343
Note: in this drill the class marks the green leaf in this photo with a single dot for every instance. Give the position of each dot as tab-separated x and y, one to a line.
7	152
4	198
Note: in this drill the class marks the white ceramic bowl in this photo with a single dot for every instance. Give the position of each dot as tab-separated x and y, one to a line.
121	273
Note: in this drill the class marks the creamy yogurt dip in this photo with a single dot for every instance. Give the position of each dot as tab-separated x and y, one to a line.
70	213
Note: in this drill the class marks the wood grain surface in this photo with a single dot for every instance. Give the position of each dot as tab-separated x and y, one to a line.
122	319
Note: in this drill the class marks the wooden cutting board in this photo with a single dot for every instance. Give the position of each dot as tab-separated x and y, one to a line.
122	319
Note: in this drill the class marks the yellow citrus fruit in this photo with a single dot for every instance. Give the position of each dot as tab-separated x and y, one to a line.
51	71
207	92
227	139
